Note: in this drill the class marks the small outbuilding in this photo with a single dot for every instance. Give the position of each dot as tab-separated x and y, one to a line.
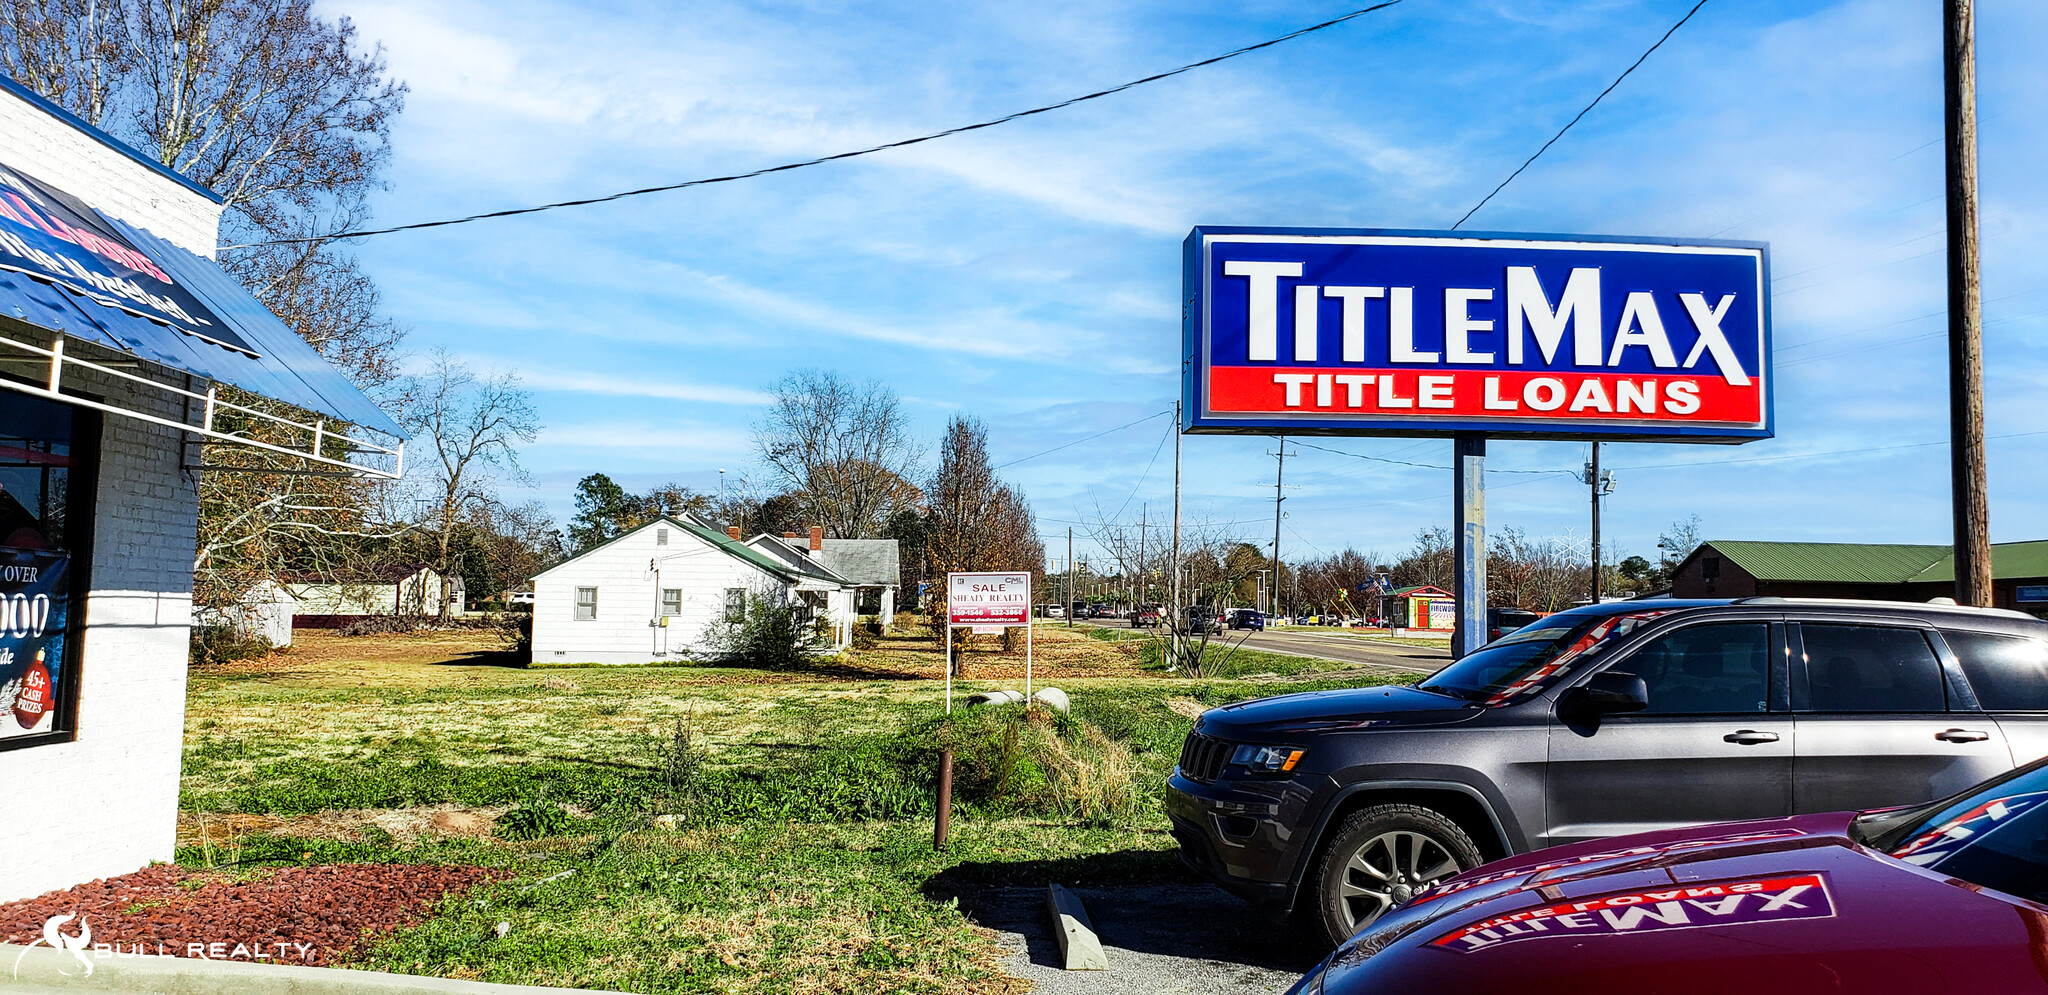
333	600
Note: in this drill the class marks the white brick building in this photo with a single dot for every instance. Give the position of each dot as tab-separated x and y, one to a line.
654	594
114	326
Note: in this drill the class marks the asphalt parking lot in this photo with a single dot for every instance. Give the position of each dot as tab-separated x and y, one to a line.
1160	938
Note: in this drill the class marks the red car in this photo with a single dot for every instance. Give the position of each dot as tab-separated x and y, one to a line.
1950	896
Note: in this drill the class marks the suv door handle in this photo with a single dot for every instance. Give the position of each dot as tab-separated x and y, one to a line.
1962	736
1750	737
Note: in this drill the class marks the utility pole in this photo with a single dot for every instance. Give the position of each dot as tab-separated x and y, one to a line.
1593	482
1970	501
1070	578
1174	620
1142	596
1279	471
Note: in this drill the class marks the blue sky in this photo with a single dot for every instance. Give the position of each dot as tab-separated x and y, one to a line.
1029	274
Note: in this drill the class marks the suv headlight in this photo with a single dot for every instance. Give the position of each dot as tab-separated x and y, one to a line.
1267	759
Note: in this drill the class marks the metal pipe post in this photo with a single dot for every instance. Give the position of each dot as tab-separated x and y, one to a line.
1468	543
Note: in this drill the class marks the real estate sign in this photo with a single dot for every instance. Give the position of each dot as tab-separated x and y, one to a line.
988	599
1383	332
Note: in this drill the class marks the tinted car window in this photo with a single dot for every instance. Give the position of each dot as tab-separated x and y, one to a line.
1996	837
1869	668
2009	673
1707	669
1529	658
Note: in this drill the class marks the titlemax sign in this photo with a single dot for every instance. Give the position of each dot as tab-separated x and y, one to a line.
1416	333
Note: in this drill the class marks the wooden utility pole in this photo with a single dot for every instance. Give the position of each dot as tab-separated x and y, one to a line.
1971	503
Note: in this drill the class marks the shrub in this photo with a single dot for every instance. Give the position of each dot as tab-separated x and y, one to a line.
771	635
533	820
213	644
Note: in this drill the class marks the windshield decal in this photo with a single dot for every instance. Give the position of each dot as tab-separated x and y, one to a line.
1729	903
1943	841
1595	637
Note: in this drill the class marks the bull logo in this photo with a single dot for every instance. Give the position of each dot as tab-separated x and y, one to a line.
76	946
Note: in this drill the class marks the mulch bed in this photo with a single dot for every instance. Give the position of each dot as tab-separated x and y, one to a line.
292	915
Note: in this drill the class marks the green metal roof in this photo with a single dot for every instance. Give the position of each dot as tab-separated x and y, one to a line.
2009	560
1872	563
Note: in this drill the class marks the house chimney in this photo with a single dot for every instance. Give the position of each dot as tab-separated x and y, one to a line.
789	535
817	538
733	531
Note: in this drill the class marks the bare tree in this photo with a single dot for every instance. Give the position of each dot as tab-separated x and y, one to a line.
475	426
70	51
845	448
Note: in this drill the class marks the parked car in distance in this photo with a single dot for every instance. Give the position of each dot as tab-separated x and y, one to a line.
1101	611
520	598
1248	618
1055	611
1203	618
1145	616
1943	896
1602	721
1501	621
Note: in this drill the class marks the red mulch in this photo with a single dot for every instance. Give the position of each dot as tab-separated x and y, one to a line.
317	913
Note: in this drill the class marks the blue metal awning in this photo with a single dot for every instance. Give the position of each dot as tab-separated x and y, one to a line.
67	267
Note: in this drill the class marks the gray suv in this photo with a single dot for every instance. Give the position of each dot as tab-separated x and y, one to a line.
1603	720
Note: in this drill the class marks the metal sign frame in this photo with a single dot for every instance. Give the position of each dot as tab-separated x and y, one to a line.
1004	576
1492	286
1557	252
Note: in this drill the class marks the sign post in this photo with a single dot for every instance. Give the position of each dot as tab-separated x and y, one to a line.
985	602
1475	336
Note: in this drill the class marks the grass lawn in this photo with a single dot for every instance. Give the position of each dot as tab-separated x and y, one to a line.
700	828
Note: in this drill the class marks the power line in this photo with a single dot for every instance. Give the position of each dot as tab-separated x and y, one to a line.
1575	119
1077	442
1837	452
1398	462
785	167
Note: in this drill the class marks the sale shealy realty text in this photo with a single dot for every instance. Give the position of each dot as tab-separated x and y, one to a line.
1416	333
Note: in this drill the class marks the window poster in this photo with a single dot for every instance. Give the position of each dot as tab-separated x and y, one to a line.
34	608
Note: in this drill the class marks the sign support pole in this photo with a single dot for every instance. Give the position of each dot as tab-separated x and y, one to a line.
1468	544
1027	661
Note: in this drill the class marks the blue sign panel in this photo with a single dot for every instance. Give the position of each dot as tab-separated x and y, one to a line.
2031	593
1382	332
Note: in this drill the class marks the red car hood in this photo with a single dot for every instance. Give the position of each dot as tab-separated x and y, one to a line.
1777	906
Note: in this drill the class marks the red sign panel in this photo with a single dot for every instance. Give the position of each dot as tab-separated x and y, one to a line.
988	599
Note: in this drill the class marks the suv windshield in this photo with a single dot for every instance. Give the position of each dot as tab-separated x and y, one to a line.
1993	837
1528	658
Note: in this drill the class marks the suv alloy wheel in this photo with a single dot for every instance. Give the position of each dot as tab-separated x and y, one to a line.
1379	858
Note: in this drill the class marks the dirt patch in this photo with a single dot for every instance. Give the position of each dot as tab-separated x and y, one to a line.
294	915
405	825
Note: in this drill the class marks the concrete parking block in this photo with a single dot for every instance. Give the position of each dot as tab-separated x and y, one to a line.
1078	942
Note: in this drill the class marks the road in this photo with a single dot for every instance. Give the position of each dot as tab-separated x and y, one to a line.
1342	648
1331	646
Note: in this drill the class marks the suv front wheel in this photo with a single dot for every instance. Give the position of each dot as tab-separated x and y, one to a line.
1380	857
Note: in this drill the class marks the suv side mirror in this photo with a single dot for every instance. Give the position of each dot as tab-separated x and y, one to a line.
1613	691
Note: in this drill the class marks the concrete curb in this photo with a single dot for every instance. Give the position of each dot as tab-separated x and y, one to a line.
1079	945
42	971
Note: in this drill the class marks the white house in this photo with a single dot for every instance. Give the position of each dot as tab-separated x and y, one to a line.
116	327
868	569
653	594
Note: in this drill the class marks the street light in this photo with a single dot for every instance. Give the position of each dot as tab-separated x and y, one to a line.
721	485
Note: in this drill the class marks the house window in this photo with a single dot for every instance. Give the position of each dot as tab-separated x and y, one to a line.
47	456
735	604
671	601
586	603
1710	567
661	536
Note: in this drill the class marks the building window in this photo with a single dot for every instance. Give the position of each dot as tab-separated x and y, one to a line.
46	461
1710	567
735	604
661	536
671	601
586	603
